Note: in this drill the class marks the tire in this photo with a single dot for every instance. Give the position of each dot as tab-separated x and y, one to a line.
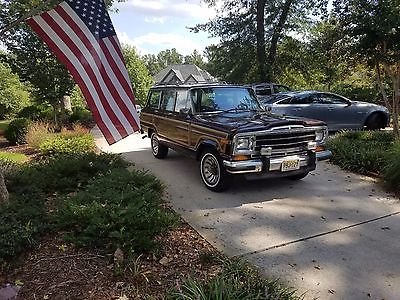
159	151
212	171
375	122
298	176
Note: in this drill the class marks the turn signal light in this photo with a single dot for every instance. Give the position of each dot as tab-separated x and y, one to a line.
240	157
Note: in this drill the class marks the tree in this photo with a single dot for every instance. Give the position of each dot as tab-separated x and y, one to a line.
139	74
30	58
14	95
196	59
261	23
374	28
155	63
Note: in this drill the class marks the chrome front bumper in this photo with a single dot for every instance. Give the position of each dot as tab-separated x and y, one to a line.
266	164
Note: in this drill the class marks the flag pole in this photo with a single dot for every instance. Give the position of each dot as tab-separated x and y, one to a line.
29	14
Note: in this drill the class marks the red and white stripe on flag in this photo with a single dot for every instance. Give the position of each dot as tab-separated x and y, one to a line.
81	35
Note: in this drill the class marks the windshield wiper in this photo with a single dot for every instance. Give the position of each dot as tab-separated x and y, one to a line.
237	110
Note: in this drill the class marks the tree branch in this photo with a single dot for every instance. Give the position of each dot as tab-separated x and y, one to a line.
21	19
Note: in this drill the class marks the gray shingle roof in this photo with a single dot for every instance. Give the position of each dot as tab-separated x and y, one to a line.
184	73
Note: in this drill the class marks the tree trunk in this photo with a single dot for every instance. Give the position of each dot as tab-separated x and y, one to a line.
396	102
276	35
261	55
4	196
382	88
66	103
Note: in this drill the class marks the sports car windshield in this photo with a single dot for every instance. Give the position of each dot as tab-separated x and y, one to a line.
224	99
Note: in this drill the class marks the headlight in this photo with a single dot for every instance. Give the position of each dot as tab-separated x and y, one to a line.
321	135
244	144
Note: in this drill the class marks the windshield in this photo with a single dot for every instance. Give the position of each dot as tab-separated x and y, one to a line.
219	99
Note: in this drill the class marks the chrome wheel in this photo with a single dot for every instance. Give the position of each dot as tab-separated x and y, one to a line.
210	170
159	150
155	145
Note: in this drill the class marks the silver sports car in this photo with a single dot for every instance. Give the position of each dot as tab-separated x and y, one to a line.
336	111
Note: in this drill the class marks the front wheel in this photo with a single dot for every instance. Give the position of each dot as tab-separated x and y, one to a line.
375	122
159	151
213	173
298	176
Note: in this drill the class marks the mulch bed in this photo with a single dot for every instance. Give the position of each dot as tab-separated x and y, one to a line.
56	270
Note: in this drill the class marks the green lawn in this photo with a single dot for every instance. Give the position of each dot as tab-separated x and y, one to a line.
16	157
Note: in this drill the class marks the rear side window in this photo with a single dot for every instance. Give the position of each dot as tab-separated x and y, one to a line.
181	101
154	99
168	100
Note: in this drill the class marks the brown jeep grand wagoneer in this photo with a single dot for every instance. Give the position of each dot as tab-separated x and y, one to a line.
226	129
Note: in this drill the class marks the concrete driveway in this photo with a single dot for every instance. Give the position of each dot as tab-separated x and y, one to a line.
333	235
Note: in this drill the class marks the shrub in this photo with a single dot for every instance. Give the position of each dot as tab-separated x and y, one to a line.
361	151
16	131
71	143
392	169
81	115
237	280
121	209
358	93
37	133
21	224
62	174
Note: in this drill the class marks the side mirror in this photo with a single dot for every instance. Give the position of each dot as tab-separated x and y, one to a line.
185	111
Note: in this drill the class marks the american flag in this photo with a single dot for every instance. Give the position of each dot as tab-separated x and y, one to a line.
81	35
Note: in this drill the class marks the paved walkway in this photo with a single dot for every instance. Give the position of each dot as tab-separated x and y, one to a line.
333	235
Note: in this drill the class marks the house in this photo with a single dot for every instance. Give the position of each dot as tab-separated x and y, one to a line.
183	74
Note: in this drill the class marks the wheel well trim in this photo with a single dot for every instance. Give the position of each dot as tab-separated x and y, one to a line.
378	112
207	143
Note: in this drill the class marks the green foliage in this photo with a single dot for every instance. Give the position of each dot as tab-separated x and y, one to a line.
16	131
237	280
138	73
82	116
22	222
36	112
4	124
121	209
357	93
361	151
14	157
14	95
392	169
61	174
155	63
67	144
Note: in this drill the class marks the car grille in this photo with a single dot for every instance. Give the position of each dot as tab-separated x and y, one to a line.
285	143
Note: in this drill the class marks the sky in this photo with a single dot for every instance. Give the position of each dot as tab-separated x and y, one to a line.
155	25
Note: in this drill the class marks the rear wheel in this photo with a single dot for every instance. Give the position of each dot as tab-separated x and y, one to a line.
159	151
212	172
375	122
298	176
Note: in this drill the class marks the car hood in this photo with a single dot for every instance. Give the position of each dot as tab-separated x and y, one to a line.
241	122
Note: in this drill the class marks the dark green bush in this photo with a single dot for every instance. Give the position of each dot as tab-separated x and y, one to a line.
16	131
392	169
121	209
361	151
237	280
81	115
36	113
62	174
21	224
67	144
357	93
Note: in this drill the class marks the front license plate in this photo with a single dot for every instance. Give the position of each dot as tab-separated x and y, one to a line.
290	165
